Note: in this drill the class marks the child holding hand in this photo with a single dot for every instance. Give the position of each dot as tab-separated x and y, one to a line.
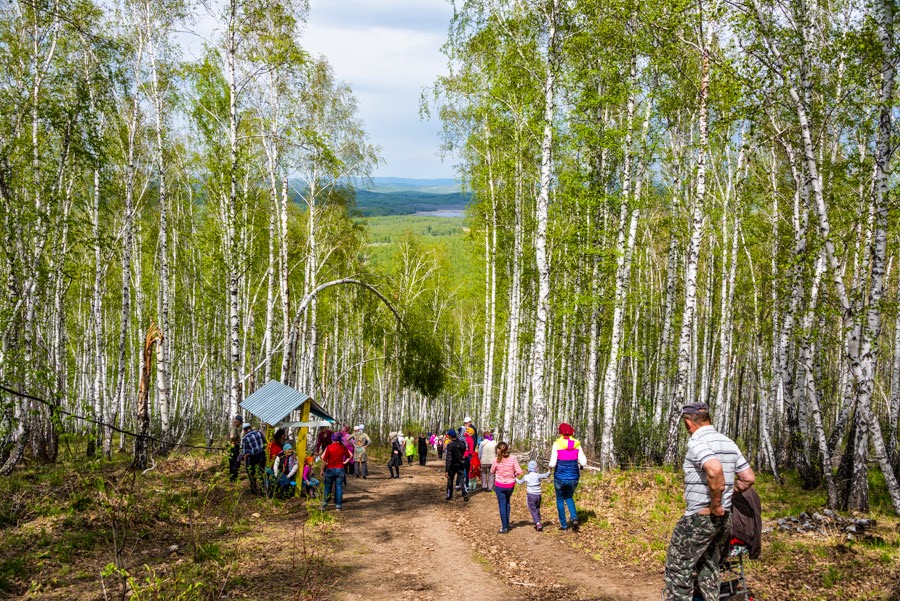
532	480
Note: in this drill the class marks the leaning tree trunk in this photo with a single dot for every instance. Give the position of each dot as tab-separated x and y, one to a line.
861	357
809	396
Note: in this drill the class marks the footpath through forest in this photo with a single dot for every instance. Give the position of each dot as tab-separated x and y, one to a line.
400	539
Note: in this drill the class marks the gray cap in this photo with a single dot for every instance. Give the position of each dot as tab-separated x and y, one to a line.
695	408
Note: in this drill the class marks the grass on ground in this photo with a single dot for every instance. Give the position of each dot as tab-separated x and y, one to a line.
629	517
88	529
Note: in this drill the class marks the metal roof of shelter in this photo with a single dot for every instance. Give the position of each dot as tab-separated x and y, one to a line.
274	402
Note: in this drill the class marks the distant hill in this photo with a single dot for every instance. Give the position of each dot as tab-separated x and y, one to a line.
405	184
405	196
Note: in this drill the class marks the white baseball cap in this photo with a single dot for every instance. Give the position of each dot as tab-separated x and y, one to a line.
467	419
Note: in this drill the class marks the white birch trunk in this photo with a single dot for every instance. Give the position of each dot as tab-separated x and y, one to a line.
693	253
232	268
669	309
512	347
861	353
287	349
894	410
491	275
538	400
272	155
627	219
97	388
869	348
164	344
593	367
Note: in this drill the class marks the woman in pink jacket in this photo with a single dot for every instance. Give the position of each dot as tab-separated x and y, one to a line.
505	469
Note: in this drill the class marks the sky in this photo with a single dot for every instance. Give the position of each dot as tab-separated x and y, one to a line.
388	51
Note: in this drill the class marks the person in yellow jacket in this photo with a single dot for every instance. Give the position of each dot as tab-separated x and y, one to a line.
567	458
410	449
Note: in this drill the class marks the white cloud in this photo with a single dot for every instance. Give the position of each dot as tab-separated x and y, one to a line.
388	51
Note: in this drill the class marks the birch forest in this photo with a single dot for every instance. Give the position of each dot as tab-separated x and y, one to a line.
671	202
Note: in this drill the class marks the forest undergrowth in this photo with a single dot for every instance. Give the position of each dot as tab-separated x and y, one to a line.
94	530
630	516
85	529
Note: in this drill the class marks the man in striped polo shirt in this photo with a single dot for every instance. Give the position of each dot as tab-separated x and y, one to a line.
714	467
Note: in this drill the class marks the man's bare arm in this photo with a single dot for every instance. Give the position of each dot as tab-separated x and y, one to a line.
715	478
744	480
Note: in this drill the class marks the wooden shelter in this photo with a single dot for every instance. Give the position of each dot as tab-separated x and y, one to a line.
274	404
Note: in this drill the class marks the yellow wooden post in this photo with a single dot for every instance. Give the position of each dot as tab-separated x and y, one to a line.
303	432
270	435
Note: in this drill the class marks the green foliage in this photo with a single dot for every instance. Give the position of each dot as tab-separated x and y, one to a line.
10	568
421	359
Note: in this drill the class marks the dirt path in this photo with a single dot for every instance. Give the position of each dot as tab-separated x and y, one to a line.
399	539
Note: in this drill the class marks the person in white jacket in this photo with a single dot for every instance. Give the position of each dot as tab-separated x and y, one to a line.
532	482
487	452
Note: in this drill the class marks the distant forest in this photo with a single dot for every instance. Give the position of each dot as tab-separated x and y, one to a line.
406	202
392	196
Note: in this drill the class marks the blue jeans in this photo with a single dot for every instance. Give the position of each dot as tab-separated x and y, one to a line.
334	476
565	492
503	497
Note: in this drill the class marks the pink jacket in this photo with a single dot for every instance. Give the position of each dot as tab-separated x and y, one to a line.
506	471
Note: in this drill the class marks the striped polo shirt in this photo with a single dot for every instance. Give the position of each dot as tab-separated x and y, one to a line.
705	444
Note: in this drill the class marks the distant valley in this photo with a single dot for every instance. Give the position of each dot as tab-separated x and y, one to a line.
403	196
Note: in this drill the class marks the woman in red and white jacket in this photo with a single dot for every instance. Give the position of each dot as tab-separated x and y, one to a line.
505	469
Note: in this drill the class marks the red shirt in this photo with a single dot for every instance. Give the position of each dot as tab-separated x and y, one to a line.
334	455
470	446
273	450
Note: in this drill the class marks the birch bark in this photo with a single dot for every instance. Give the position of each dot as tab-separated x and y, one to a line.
539	403
861	352
234	335
127	241
512	347
162	347
627	220
693	252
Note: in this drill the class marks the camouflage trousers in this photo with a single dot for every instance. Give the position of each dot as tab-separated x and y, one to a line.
698	542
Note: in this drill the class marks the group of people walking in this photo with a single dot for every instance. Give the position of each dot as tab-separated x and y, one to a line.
500	471
408	446
715	472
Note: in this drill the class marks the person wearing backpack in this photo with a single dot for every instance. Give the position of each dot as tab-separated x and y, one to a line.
567	458
455	465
